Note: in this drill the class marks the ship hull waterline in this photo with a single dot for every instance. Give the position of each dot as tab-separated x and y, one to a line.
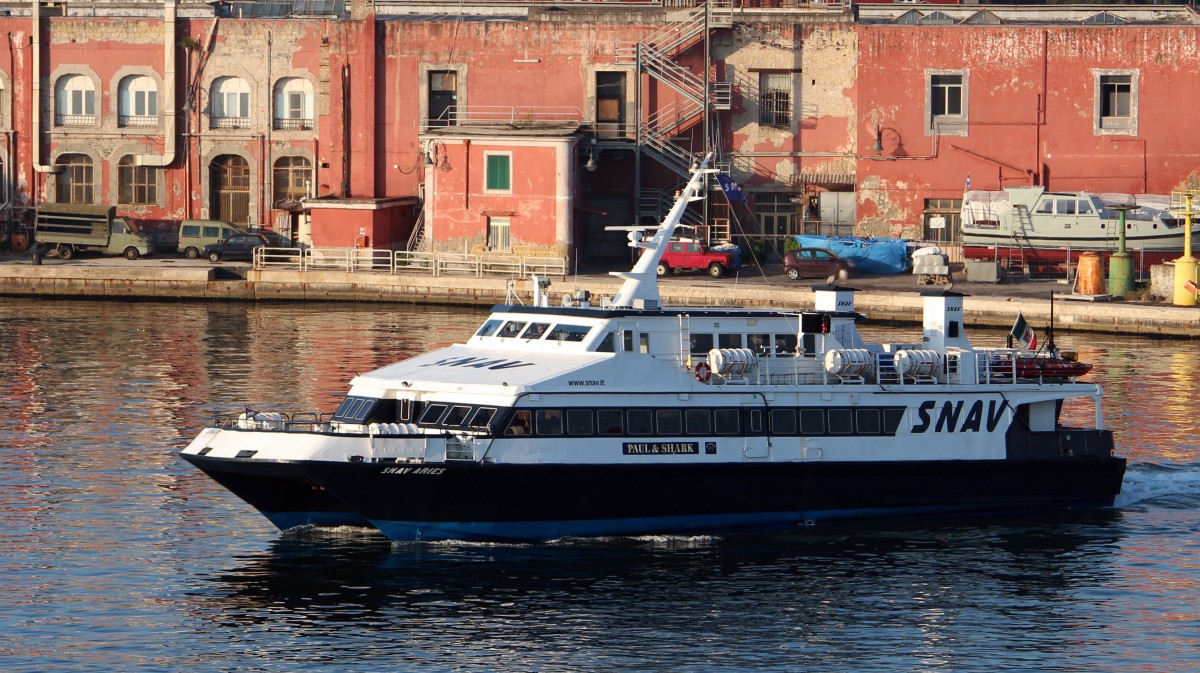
528	503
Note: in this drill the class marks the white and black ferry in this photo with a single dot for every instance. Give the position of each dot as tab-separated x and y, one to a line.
624	417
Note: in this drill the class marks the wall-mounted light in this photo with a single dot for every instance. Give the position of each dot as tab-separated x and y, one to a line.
591	164
878	139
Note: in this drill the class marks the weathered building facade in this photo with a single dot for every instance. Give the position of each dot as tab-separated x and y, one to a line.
511	128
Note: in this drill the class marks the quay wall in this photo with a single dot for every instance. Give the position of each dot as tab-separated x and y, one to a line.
215	283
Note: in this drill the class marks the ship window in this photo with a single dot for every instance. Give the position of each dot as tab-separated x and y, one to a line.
627	341
698	421
535	330
579	422
1066	206
670	421
701	343
785	344
489	328
1046	207
404	410
812	422
643	343
432	413
482	417
759	343
457	415
548	422
868	421
355	409
841	422
783	421
519	424
610	421
755	421
726	421
568	333
892	419
808	344
511	329
729	340
606	344
1085	208
641	422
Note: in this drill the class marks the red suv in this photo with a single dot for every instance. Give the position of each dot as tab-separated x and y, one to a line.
815	262
691	255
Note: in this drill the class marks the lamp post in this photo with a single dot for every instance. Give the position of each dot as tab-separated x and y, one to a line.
1120	265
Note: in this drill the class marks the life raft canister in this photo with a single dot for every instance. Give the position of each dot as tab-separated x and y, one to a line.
703	372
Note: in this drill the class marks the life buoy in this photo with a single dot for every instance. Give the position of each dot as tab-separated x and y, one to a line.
703	372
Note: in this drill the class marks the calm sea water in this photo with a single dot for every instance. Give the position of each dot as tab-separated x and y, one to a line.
118	556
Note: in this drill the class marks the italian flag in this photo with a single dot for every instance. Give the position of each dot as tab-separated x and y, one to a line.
1024	334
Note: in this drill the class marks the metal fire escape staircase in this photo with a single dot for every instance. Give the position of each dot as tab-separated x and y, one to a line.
659	130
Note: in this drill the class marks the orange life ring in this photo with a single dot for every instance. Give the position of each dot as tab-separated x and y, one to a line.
703	372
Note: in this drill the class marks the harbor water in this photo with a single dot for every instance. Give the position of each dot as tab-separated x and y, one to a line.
119	556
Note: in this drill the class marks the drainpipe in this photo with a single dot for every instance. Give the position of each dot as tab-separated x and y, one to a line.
346	131
36	124
168	155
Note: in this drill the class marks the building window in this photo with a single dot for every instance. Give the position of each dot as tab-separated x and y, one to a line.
75	179
775	99
136	185
291	179
499	235
1116	102
947	103
293	105
138	105
498	171
443	97
942	220
230	103
75	101
776	214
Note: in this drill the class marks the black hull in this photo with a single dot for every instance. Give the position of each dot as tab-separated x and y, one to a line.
539	502
280	491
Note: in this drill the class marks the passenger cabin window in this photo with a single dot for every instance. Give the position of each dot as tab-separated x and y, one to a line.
812	422
569	333
610	421
627	341
841	422
548	422
483	417
641	421
759	343
726	421
579	422
785	344
355	409
643	343
489	328
535	330
456	417
433	414
729	341
670	422
698	421
511	329
783	421
701	343
520	424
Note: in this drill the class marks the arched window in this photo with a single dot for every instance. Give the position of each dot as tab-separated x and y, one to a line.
138	101
75	179
230	103
293	104
229	178
291	178
136	185
75	101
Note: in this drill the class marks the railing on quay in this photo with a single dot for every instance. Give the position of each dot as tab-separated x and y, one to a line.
386	261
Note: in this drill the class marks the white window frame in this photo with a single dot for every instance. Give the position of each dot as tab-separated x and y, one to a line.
1122	125
75	101
947	124
137	101
230	103
294	104
499	234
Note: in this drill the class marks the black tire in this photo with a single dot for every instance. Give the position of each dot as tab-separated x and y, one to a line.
191	253
842	274
131	253
65	252
663	269
716	269
214	256
793	274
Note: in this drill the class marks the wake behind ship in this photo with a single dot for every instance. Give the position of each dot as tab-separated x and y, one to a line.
624	417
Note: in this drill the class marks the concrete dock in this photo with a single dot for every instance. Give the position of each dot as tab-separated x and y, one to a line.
881	298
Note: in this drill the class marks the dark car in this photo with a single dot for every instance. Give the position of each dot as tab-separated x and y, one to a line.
236	247
815	263
274	238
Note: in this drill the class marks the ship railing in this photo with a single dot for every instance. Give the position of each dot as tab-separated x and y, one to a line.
304	421
1002	365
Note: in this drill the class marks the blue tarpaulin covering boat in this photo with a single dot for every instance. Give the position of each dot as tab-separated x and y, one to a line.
869	255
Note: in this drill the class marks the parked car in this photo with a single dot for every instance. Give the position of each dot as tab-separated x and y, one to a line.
197	236
686	255
236	247
816	263
274	238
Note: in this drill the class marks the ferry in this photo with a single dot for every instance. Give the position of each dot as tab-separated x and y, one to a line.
1047	226
621	416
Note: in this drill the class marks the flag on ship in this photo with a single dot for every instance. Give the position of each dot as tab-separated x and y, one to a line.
733	191
1024	334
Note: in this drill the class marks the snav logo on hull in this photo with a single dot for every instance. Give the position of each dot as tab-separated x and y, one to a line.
478	363
950	417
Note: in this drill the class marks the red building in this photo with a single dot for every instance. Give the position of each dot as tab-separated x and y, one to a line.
514	129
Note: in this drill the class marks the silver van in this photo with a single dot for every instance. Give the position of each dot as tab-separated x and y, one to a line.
195	235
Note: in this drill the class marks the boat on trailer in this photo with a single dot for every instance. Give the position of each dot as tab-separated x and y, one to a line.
626	417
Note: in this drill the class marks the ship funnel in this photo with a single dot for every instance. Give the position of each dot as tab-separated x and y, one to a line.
942	325
834	298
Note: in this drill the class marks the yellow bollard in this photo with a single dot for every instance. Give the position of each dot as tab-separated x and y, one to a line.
1185	267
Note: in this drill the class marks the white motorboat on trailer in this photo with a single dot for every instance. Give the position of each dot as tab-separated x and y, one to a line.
631	418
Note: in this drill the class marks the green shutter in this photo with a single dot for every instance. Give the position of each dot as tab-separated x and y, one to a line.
499	172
